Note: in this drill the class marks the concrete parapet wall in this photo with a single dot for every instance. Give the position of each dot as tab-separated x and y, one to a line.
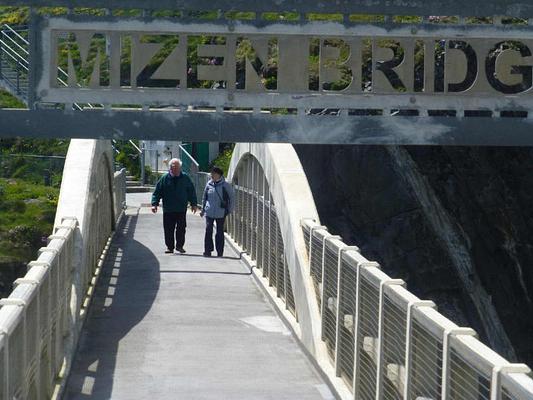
41	320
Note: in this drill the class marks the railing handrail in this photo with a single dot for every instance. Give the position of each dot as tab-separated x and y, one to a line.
191	158
15	42
135	146
14	55
25	41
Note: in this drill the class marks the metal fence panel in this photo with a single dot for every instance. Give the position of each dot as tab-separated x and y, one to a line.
16	358
246	221
307	235
466	381
316	263
291	304
347	299
260	232
393	349
426	366
240	217
367	338
268	230
253	224
280	262
329	316
273	247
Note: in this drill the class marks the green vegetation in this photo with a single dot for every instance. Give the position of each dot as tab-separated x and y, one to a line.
9	101
128	157
27	214
223	160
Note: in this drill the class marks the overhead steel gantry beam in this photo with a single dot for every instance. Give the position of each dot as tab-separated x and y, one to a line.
241	127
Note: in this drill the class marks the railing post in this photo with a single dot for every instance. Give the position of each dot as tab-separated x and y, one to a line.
143	159
496	382
371	264
446	356
379	367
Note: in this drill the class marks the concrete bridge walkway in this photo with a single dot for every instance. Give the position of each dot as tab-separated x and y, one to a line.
183	327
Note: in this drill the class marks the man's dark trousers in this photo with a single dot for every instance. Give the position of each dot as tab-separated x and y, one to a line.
219	237
174	222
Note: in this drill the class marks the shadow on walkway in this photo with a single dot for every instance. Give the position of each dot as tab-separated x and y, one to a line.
213	257
126	290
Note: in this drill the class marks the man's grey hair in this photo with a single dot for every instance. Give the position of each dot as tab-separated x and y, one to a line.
174	161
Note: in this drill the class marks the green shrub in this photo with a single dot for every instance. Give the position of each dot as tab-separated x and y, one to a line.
24	236
223	160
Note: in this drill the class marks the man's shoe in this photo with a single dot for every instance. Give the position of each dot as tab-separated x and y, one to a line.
207	254
169	251
220	255
181	250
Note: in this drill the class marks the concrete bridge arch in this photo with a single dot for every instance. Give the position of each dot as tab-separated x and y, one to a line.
270	182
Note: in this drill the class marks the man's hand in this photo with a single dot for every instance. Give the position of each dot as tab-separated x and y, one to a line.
154	209
194	209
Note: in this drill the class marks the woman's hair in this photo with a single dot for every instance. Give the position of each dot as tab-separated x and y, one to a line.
217	170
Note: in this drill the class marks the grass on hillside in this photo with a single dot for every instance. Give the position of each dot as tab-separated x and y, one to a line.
9	101
27	213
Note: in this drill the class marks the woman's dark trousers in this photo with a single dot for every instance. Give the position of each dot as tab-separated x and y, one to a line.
219	237
174	224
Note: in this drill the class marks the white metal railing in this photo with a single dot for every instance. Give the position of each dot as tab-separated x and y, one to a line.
41	319
200	180
255	227
119	191
383	341
387	343
13	73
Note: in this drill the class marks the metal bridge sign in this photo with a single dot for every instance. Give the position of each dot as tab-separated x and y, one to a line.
355	67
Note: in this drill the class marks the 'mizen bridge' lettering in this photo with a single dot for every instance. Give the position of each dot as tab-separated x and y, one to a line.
173	63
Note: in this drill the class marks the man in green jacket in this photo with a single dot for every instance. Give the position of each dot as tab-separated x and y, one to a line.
176	189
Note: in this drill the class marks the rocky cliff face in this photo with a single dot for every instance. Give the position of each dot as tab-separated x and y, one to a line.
455	223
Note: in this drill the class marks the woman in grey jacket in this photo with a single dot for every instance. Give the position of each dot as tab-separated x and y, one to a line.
218	201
